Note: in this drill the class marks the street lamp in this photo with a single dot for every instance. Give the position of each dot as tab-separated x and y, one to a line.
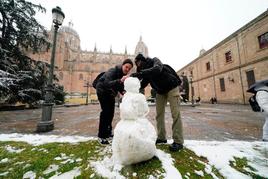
46	124
87	85
191	86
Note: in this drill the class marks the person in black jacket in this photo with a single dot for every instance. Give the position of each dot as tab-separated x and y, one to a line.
165	81
107	88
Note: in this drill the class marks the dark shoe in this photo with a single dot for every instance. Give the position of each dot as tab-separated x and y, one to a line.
175	147
161	141
103	141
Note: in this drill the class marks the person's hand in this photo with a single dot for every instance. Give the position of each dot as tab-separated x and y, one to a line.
124	78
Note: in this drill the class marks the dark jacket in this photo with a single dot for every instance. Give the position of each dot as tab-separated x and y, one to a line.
160	78
110	82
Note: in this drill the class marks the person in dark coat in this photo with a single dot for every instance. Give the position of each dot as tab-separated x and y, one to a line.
260	89
164	80
107	88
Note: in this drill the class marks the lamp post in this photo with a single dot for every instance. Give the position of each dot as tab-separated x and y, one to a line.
191	86
87	85
46	124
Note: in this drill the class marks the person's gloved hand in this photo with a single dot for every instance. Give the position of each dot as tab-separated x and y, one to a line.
137	75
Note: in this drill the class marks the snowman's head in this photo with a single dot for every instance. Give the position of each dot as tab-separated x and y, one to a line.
132	85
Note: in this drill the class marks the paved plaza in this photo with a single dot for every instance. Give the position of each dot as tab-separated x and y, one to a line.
219	122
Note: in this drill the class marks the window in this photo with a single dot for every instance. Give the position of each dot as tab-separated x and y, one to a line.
263	40
81	77
191	73
250	77
208	66
222	84
228	56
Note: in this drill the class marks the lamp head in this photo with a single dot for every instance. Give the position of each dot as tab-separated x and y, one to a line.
57	16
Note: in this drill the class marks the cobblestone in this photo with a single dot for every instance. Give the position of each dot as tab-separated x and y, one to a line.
205	122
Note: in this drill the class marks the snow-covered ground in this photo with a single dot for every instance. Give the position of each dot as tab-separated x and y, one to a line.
218	154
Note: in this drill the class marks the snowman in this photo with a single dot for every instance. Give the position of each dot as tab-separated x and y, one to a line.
134	136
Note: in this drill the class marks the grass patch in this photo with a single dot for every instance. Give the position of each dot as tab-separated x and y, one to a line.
152	167
67	157
241	164
190	165
39	158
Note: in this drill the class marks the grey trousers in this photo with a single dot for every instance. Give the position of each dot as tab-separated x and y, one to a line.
173	97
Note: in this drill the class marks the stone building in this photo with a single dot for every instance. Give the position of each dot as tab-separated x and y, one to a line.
75	67
227	70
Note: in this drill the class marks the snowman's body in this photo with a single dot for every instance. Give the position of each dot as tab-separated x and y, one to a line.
134	136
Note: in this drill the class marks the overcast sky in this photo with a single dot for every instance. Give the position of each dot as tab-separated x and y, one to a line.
173	30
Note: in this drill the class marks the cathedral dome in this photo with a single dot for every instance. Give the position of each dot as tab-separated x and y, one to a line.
141	48
70	36
69	29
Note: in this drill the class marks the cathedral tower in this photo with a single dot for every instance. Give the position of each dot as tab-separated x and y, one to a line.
141	48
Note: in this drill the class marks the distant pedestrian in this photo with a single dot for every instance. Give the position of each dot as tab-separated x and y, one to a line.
165	81
184	88
198	100
213	100
108	86
260	88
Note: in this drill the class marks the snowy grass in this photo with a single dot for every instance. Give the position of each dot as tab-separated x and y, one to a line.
55	159
73	157
187	162
38	159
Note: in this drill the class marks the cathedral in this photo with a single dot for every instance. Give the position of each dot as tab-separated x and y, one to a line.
76	68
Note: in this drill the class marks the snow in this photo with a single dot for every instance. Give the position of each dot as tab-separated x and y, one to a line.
11	149
4	174
107	168
51	168
199	172
167	163
70	174
5	160
35	139
218	154
29	175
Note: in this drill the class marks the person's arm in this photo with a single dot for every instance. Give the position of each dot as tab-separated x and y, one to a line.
262	99
154	70
110	78
144	83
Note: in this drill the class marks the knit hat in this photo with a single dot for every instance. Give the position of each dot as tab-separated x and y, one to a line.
253	88
140	57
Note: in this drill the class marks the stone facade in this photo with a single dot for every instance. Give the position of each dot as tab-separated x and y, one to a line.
75	67
230	67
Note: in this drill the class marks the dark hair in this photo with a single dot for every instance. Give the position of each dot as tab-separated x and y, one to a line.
127	61
140	57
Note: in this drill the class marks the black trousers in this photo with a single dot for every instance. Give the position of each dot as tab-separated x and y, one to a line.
107	103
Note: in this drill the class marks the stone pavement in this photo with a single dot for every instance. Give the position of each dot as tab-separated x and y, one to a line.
205	122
